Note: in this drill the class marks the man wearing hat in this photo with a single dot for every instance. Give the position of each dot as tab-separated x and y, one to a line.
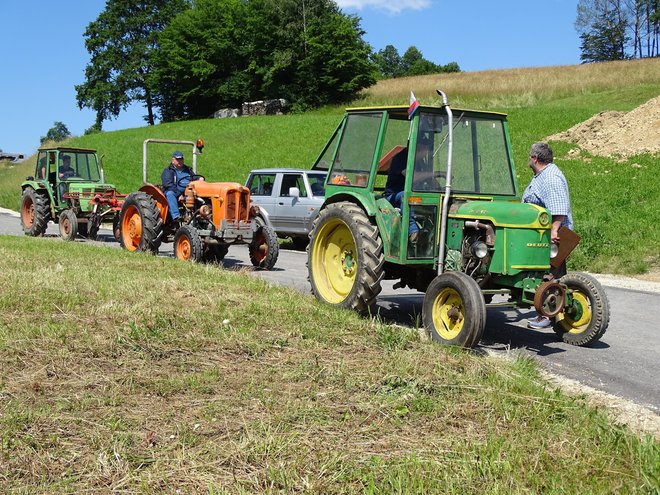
174	179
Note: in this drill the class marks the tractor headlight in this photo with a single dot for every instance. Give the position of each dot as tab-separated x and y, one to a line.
544	218
554	250
479	249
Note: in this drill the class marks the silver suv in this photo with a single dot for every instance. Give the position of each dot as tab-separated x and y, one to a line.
289	199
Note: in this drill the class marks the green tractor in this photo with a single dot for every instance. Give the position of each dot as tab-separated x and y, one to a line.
68	188
460	233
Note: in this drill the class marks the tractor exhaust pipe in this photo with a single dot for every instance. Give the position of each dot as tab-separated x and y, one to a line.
445	200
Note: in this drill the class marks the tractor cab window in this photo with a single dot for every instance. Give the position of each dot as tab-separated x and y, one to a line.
42	166
481	163
261	184
78	165
355	156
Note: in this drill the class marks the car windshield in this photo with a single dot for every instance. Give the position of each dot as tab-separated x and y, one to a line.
78	165
481	162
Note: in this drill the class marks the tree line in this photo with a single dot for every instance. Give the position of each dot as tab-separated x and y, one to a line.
185	59
618	29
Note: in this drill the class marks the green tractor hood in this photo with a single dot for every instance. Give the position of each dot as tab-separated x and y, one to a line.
503	214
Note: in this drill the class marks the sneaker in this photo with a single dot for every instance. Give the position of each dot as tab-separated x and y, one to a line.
539	322
412	238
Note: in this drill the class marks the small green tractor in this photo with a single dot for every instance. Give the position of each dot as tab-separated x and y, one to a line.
68	188
214	216
473	238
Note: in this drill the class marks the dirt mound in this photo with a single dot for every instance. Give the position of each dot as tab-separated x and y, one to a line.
618	133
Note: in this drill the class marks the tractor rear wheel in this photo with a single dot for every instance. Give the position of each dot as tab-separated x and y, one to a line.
68	225
35	212
345	258
187	244
139	223
264	248
585	320
454	311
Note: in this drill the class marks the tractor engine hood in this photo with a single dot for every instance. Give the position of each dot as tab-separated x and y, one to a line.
503	213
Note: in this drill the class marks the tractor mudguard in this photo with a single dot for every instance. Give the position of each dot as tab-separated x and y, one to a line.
159	197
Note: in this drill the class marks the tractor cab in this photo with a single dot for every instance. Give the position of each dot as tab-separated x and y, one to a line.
60	167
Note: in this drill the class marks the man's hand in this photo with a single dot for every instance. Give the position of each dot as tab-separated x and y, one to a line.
556	224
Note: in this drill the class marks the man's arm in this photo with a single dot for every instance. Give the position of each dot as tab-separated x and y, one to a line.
556	224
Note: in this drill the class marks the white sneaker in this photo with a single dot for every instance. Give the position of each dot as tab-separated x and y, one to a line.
539	322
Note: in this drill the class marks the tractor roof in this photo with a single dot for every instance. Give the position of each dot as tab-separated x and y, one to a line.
402	110
67	148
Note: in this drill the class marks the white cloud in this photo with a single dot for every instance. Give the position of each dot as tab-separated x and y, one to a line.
390	6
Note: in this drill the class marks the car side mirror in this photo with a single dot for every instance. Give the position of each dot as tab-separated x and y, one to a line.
294	192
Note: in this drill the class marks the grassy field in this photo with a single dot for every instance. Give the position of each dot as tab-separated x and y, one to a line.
126	373
611	197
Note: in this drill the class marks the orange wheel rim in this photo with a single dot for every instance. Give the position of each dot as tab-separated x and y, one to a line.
262	248
131	228
184	248
66	226
28	212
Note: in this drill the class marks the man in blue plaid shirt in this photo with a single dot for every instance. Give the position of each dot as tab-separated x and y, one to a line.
549	189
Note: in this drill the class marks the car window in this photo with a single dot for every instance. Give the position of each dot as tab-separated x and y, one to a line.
317	184
261	184
293	180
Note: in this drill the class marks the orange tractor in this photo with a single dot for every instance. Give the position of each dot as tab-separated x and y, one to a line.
213	216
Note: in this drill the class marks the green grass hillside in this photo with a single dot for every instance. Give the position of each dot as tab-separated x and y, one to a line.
128	373
540	102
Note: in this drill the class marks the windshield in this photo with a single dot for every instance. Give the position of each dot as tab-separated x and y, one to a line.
78	165
481	162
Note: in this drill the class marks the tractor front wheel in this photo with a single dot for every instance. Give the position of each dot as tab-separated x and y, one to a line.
345	257
587	312
35	212
264	248
68	225
188	244
454	311
140	224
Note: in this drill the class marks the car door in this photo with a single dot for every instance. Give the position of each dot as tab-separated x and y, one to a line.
293	211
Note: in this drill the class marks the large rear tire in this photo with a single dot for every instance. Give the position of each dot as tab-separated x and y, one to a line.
187	244
35	212
140	224
345	258
68	225
264	248
454	311
586	320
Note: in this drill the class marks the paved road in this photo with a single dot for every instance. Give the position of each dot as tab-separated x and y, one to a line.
626	362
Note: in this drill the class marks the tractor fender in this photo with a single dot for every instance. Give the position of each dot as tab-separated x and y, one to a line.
159	196
367	204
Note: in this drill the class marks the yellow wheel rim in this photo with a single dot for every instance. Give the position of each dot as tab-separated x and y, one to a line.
334	261
131	229
448	314
581	324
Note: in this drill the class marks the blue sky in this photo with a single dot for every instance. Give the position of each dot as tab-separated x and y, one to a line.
42	52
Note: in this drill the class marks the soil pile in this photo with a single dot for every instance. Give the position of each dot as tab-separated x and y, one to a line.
618	133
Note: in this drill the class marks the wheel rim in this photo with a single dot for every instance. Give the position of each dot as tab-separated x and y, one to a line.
448	313
131	229
65	226
335	261
581	324
261	251
183	248
27	212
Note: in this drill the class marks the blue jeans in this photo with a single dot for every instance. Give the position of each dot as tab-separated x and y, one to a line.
173	203
397	199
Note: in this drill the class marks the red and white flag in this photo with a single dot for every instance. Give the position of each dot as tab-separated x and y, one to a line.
414	105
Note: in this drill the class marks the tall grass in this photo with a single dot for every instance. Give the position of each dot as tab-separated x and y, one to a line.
127	373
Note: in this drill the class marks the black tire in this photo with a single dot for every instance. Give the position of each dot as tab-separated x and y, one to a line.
35	212
454	311
140	224
93	226
68	225
300	242
187	244
264	248
215	253
593	316
116	227
345	258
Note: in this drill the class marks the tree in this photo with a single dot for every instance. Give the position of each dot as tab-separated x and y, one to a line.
605	40
57	133
121	41
389	62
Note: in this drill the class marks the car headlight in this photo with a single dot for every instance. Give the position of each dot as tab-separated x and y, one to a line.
554	250
544	218
479	249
